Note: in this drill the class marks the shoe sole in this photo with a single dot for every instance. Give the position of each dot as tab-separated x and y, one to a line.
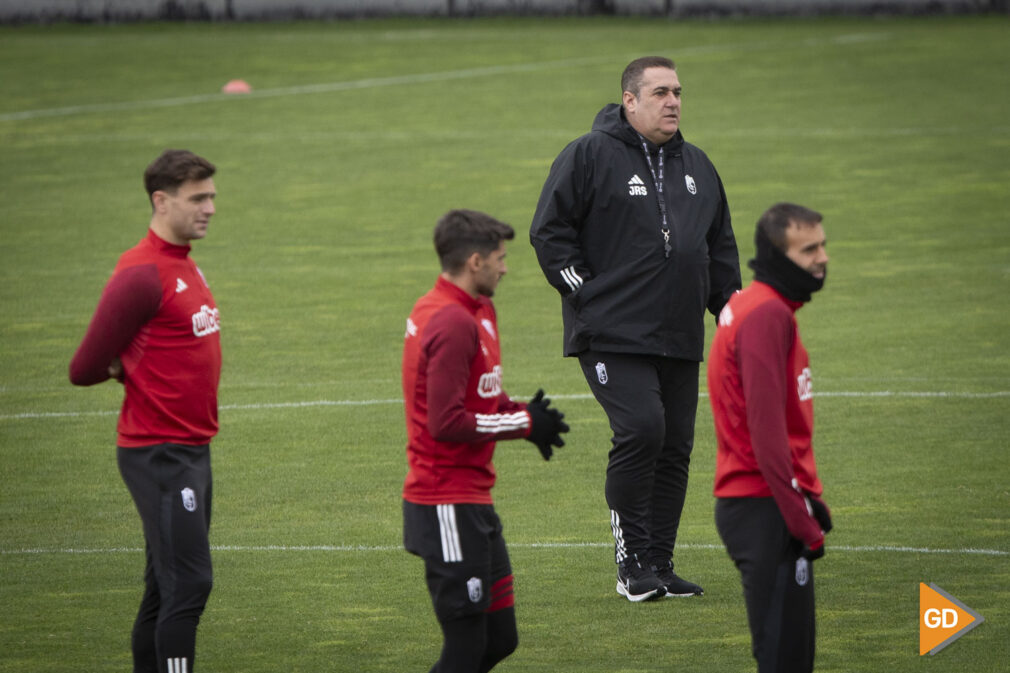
638	598
688	595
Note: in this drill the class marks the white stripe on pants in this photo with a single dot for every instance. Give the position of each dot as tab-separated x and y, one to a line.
452	551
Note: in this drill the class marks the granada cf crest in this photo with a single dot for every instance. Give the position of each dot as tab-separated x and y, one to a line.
475	589
601	373
189	499
802	571
689	183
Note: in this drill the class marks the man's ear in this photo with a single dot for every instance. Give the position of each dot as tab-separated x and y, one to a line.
474	261
158	199
630	101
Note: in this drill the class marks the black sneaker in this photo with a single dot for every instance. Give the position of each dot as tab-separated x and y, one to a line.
636	582
676	586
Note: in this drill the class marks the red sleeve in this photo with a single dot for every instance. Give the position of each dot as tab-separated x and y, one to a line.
506	403
763	342
130	299
451	342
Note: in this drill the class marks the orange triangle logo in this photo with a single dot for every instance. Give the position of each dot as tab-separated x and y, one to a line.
942	619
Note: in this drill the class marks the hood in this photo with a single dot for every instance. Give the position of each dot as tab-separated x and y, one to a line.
611	120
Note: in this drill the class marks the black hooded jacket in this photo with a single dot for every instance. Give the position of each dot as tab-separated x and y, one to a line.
598	236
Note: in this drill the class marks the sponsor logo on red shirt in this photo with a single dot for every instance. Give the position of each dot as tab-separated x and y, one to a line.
805	385
206	321
490	383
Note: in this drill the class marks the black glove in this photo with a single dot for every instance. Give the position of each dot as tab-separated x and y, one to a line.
546	425
812	554
821	513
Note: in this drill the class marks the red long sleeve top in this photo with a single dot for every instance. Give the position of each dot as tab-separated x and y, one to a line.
157	315
759	385
455	406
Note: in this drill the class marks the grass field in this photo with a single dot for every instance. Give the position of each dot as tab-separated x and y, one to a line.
331	175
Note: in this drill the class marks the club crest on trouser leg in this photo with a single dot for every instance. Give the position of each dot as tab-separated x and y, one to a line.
601	373
475	589
802	571
189	499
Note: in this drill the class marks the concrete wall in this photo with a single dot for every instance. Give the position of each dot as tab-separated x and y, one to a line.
126	10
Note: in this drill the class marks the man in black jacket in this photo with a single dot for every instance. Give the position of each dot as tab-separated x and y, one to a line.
633	229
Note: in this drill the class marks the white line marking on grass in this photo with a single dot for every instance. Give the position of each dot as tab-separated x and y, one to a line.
367	83
922	550
969	551
846	548
55	414
417	78
223	407
28	415
889	393
312	403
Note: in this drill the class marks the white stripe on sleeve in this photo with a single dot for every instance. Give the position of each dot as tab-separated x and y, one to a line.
495	423
571	278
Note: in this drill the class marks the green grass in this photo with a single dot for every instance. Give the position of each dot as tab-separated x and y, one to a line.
896	129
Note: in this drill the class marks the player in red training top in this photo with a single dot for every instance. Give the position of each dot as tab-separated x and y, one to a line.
456	410
769	511
156	331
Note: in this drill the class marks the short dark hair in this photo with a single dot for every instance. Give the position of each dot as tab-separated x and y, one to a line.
460	233
777	219
631	80
174	167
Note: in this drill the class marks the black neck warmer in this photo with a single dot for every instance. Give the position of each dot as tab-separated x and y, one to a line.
772	267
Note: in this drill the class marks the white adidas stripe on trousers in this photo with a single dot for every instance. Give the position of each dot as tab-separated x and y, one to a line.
177	665
615	525
452	550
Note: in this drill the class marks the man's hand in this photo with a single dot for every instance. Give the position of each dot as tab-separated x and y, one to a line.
546	425
116	370
821	513
815	552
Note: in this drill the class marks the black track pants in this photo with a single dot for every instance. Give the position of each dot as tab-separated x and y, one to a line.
171	487
778	584
476	643
651	404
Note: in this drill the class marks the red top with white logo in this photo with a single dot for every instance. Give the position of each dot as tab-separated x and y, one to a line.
759	387
455	406
158	317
